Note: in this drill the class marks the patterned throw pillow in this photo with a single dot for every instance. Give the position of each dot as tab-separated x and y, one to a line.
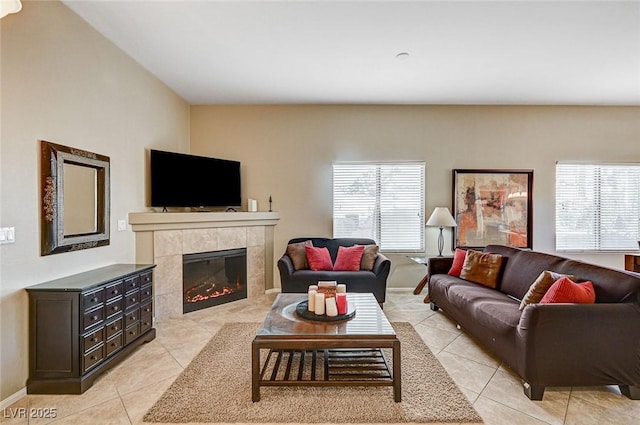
348	258
540	287
298	255
369	257
319	258
564	290
482	268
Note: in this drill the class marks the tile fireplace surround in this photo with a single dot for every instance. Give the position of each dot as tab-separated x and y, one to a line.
162	239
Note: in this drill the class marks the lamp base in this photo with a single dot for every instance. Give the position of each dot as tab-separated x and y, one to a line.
440	243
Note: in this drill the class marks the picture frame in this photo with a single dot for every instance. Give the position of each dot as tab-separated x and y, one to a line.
492	207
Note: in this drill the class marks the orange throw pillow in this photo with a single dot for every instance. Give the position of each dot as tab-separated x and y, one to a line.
565	290
348	258
318	258
458	260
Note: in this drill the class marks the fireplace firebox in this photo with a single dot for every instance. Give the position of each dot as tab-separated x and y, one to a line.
213	278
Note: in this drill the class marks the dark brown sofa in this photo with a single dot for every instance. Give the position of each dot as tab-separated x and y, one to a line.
549	344
374	281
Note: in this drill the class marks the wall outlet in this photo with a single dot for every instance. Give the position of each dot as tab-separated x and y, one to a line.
7	235
122	225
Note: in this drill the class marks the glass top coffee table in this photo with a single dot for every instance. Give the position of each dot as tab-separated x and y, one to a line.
303	352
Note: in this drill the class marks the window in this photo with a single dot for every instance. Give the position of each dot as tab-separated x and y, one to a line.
382	201
597	207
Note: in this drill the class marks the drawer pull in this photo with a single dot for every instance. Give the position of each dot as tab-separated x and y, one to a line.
94	339
113	344
94	358
115	328
133	299
94	299
132	318
146	310
115	292
115	308
94	317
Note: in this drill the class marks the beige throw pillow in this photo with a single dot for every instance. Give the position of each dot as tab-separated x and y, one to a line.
540	287
482	268
369	257
298	255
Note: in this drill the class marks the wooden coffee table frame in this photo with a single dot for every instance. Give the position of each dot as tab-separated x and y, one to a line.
349	358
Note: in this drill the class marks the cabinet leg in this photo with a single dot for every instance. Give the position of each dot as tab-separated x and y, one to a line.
534	392
630	391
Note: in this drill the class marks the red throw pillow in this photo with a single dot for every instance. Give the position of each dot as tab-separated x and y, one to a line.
348	258
318	258
564	290
458	260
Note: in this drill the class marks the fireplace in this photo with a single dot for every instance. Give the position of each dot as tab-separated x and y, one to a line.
213	278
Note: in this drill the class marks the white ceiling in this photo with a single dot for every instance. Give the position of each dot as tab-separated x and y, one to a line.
502	52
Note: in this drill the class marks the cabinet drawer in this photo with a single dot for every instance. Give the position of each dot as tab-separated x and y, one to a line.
145	293
114	344
131	333
92	299
114	290
146	309
131	318
131	284
92	358
132	299
145	323
113	328
92	318
146	278
93	339
114	307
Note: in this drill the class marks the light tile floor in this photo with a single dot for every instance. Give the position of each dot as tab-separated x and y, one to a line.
123	395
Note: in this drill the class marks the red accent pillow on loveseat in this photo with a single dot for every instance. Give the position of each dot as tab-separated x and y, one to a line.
564	290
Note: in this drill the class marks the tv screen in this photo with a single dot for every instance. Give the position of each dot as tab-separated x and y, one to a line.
181	180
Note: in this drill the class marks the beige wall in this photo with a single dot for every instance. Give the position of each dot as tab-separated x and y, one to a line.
62	81
287	152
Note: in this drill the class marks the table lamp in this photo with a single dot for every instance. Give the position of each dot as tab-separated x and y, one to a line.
441	217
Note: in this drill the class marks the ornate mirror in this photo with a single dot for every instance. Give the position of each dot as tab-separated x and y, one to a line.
75	199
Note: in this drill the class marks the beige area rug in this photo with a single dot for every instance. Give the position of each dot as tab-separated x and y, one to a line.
216	387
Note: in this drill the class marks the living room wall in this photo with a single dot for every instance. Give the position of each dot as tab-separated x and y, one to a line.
62	81
287	152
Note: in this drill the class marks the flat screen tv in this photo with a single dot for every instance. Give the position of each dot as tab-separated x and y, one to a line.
181	180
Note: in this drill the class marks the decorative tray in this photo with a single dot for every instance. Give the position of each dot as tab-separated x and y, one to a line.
302	309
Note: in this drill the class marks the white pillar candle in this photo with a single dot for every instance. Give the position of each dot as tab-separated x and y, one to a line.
312	300
313	287
332	308
341	288
319	307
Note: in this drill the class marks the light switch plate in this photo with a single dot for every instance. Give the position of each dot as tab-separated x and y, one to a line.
122	225
7	235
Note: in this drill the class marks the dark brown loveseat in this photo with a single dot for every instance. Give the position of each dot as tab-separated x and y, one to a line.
549	344
374	281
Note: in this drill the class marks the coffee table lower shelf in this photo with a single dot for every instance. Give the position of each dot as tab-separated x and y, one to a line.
327	367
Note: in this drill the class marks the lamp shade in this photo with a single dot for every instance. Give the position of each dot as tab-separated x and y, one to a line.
9	6
441	217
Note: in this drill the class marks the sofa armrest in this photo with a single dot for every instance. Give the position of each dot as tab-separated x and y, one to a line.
439	265
560	344
382	266
285	265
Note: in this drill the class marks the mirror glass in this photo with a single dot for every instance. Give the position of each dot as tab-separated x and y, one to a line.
79	199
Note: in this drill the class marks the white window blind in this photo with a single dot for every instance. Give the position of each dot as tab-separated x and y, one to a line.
597	207
382	201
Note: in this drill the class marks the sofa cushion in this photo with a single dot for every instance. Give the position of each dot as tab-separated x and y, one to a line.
318	258
369	257
540	286
482	268
298	255
458	261
564	290
348	258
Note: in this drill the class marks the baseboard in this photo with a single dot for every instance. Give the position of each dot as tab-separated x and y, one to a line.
13	398
272	291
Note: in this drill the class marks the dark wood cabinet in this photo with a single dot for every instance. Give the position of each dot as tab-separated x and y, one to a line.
632	263
82	325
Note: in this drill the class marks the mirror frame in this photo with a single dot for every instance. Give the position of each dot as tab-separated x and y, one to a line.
52	237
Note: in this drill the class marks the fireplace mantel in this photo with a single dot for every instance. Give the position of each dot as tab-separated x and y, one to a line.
163	238
145	221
